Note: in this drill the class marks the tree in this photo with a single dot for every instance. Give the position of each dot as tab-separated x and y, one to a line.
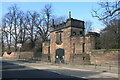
88	26
2	40
108	10
109	14
30	26
14	12
44	22
109	36
27	28
7	29
13	25
59	19
22	30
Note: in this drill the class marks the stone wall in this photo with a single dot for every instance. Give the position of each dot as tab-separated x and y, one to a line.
99	57
11	55
80	58
65	44
46	57
104	57
19	55
72	42
25	55
76	44
89	43
46	47
76	40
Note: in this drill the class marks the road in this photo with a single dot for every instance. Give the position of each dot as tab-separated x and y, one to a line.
20	70
14	71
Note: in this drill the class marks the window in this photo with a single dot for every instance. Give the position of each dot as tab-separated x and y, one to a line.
73	33
81	33
83	58
83	47
58	37
73	47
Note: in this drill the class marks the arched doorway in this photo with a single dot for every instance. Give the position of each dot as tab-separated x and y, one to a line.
59	57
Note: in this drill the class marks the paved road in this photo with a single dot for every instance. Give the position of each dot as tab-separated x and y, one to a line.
23	69
10	70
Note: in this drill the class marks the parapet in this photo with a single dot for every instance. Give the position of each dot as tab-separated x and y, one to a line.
95	34
69	23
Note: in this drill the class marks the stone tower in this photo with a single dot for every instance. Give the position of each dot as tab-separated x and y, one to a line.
64	38
68	43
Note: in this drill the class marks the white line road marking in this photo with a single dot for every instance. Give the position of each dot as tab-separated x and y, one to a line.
78	76
56	72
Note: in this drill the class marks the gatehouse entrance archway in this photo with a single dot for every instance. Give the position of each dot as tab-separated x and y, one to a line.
59	57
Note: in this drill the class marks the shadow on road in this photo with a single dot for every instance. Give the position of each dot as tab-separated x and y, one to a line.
12	71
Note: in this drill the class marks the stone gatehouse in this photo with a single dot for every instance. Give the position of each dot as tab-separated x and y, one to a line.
68	42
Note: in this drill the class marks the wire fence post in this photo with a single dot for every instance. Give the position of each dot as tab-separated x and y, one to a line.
95	64
110	67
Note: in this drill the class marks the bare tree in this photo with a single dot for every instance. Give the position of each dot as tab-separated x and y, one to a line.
22	29
108	10
7	27
2	40
88	26
59	20
45	22
15	23
30	25
109	13
11	26
109	36
25	28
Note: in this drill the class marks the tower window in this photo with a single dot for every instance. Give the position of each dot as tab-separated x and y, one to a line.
81	32
58	37
73	33
73	47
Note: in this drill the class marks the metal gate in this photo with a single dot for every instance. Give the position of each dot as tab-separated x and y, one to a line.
59	57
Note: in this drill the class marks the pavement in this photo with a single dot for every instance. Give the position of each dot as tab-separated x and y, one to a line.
88	71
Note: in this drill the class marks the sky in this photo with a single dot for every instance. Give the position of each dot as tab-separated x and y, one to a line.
79	10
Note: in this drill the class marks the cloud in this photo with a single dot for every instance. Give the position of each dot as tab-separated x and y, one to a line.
96	30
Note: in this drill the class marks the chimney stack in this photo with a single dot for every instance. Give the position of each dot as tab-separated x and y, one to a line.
69	14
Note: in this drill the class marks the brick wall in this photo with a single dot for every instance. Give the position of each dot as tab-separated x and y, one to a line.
25	55
104	57
45	47
12	55
19	55
65	44
80	58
